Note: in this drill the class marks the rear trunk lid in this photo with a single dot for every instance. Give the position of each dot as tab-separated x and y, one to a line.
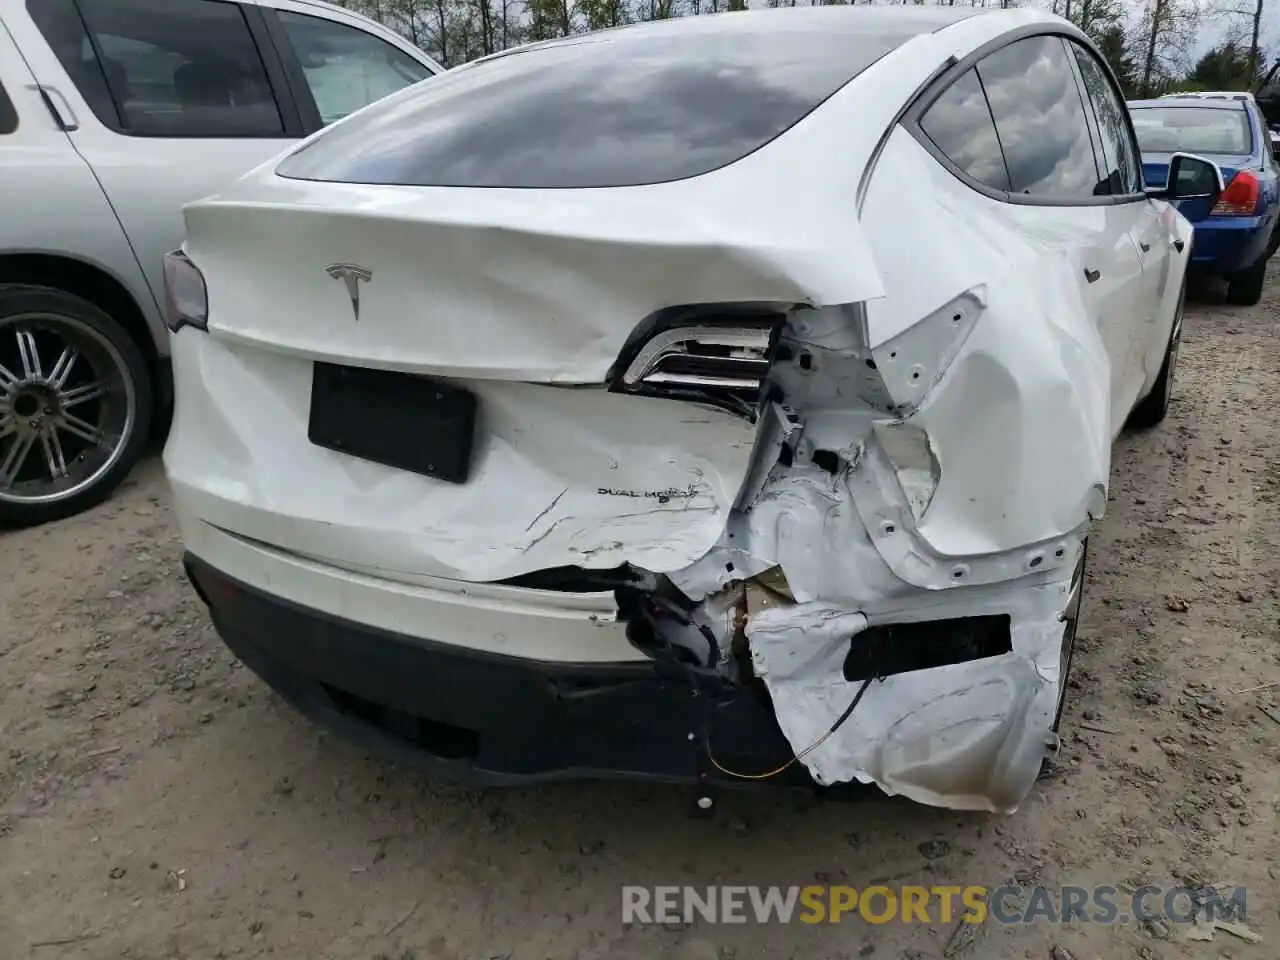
524	301
538	286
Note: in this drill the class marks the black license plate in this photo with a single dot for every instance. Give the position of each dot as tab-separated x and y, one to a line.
397	419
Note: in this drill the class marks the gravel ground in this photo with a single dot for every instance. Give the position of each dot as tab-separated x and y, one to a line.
156	801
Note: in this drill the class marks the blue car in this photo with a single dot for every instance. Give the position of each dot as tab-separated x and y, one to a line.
1235	235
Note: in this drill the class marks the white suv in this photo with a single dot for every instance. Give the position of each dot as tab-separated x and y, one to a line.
113	114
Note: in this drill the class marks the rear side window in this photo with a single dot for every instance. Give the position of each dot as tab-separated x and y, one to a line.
959	122
1123	169
63	30
346	68
1040	118
8	115
182	68
647	105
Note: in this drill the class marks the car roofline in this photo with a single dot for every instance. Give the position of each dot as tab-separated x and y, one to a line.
1187	102
1019	15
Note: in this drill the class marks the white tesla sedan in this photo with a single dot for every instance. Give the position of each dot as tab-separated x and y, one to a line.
719	399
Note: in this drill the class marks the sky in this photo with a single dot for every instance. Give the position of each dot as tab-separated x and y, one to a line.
1216	25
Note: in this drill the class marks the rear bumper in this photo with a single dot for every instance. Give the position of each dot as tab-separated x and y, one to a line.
1227	245
486	718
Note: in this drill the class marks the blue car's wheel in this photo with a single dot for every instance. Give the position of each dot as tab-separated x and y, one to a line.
1244	289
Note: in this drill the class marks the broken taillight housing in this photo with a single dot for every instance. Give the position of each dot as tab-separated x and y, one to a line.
186	301
1240	198
719	357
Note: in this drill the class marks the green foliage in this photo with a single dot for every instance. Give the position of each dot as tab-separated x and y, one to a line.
1225	67
1094	17
1113	44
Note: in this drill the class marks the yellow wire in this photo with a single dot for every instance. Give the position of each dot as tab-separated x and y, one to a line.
772	773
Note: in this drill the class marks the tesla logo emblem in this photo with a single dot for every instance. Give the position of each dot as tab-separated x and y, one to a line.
350	274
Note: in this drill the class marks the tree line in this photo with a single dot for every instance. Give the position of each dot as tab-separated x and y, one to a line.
1150	52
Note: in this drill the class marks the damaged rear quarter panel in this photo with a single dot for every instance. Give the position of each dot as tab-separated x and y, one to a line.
1020	419
985	359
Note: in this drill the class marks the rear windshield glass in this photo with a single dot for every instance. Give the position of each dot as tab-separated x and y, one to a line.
614	109
1192	130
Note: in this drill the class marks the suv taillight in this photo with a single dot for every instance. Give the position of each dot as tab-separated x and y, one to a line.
716	357
1240	198
186	301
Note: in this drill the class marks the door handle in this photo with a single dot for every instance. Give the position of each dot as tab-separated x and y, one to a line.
1091	275
1178	245
61	111
1146	247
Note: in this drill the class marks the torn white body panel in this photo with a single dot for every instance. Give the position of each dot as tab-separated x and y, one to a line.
969	736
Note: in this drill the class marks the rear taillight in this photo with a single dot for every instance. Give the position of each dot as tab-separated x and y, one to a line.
186	301
1240	198
718	358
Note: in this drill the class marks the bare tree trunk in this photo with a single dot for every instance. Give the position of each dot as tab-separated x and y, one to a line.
486	27
1253	45
1086	15
442	30
1149	62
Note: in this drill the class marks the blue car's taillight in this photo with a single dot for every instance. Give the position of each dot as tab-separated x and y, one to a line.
1240	198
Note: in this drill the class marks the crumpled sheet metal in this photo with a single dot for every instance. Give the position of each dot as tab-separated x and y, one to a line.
853	548
969	736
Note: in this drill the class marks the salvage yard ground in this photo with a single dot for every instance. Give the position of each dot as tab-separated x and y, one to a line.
157	802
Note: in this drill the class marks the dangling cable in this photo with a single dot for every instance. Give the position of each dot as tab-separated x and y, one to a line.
848	712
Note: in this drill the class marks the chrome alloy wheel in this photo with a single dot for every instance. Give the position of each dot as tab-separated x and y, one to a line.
68	407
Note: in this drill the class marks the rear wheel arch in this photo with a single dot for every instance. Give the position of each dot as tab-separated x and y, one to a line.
91	283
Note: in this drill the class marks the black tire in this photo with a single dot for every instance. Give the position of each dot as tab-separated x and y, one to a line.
59	351
1155	405
1072	619
1244	289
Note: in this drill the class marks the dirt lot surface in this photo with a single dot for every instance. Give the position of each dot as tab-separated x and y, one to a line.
156	801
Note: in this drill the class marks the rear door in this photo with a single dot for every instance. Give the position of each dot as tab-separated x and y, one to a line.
1148	220
1060	194
49	199
167	102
